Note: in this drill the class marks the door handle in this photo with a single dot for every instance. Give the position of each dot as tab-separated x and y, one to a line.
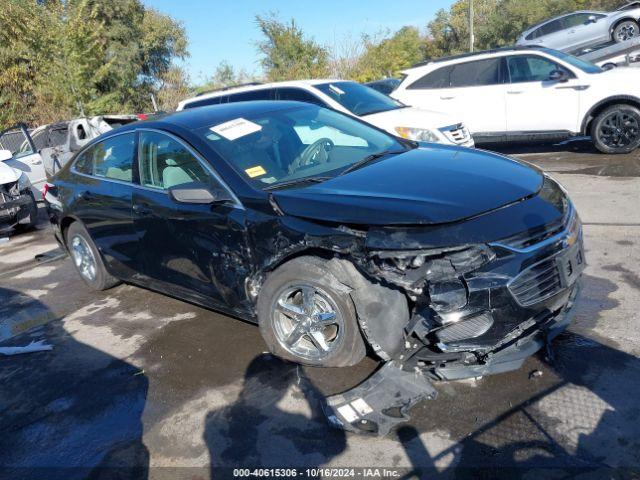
142	209
514	92
37	162
447	98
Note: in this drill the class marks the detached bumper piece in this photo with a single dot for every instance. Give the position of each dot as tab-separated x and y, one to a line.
379	403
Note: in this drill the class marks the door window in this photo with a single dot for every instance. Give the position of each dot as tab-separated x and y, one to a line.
111	158
261	94
439	78
206	101
531	68
165	162
576	20
479	73
298	95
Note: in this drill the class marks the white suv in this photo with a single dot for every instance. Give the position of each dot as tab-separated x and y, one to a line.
353	99
525	93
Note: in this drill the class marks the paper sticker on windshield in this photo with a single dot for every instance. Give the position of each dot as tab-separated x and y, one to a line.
235	129
336	90
255	171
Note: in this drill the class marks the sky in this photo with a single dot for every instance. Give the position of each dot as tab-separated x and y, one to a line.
226	30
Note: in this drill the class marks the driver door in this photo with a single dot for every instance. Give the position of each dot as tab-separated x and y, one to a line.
537	104
195	250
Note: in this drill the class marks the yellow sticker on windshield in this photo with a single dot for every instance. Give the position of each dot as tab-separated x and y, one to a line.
255	171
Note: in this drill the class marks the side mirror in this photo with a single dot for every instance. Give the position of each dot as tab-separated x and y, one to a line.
5	155
558	76
198	193
592	19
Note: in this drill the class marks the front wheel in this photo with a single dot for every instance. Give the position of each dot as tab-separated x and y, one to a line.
306	317
616	129
625	31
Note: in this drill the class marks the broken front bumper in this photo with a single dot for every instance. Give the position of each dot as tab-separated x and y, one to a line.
13	209
512	354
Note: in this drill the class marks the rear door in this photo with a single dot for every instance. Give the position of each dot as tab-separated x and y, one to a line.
104	186
535	103
191	250
473	91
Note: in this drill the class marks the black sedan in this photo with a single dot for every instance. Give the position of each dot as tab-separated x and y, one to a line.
335	237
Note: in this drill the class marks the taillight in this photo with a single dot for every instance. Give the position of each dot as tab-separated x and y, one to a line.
45	189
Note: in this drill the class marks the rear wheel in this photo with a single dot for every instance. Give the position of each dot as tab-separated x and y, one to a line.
307	318
625	31
616	129
87	260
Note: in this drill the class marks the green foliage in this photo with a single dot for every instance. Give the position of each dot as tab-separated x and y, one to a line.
225	76
61	59
287	54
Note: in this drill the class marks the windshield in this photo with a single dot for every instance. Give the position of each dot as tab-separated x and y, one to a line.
586	67
358	99
306	142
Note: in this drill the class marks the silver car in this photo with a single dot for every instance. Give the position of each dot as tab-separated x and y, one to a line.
575	31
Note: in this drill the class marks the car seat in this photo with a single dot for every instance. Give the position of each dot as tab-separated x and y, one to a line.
173	174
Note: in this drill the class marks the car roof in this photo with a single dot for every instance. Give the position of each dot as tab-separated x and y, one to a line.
195	118
548	20
261	86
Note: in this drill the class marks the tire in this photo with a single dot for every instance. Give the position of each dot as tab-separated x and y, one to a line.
81	247
33	217
625	30
616	129
286	299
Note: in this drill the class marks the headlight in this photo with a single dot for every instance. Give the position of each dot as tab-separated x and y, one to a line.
23	182
418	134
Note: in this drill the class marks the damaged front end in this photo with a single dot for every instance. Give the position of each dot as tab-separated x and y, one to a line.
475	309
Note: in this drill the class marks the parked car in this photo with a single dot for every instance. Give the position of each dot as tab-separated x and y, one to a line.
18	206
577	30
386	85
531	94
353	99
43	151
461	260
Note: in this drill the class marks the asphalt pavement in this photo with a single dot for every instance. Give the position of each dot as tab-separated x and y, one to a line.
140	385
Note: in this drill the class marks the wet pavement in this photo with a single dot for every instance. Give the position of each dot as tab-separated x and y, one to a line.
140	385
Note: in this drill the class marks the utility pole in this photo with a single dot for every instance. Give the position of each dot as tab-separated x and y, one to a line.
471	35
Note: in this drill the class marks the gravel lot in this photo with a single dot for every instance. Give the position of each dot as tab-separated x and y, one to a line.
139	380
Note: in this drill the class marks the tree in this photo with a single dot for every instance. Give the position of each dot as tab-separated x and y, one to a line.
83	57
287	54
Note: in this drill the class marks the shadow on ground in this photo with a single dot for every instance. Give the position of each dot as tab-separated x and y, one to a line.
73	412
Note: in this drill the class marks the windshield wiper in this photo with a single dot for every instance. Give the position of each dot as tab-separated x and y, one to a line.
296	181
369	159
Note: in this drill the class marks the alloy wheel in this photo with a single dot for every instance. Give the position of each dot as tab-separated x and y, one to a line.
83	258
626	32
619	130
307	322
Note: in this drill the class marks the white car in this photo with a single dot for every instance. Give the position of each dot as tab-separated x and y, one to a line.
17	204
42	152
353	99
577	30
525	93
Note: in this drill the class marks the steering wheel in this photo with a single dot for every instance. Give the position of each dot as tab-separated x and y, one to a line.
317	152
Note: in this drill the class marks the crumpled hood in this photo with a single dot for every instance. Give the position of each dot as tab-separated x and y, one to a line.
8	174
411	117
424	186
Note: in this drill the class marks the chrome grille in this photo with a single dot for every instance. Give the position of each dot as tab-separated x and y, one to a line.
537	283
456	133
